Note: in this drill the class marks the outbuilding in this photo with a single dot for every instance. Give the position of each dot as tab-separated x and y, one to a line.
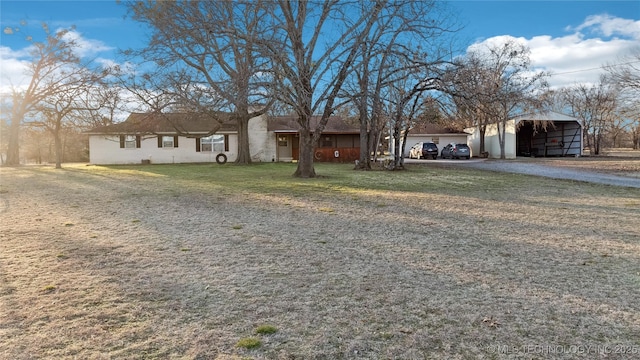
541	134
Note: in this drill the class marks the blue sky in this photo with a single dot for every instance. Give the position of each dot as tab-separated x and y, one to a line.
534	18
566	37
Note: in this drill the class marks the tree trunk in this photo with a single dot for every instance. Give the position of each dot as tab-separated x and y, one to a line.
365	145
404	144
375	141
501	140
305	167
483	131
597	138
13	149
244	155
397	149
58	146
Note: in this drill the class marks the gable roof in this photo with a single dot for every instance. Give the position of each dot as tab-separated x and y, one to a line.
432	129
170	123
545	116
289	124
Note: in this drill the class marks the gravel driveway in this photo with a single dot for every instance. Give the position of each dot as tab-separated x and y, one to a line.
551	171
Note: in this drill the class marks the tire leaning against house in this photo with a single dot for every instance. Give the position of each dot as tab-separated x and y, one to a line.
221	159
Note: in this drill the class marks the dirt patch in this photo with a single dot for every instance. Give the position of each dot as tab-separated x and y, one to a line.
141	263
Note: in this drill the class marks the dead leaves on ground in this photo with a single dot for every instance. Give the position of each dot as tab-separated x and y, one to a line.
491	322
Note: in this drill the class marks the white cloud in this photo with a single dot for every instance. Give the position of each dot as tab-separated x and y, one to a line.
12	69
14	63
578	57
85	47
609	26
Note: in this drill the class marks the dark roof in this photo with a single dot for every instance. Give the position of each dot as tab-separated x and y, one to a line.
170	123
432	129
289	124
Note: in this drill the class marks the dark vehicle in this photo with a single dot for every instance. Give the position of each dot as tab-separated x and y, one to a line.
456	151
424	150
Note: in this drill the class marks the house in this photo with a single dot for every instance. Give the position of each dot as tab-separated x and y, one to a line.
339	142
199	138
542	134
437	134
164	138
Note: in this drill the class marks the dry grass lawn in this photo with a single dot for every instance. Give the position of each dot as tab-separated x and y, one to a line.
626	164
191	261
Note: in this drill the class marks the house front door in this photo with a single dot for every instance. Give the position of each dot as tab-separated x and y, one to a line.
287	147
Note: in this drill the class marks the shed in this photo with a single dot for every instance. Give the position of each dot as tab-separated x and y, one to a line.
540	134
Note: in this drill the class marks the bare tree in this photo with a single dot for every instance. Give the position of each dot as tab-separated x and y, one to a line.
406	99
595	106
400	51
70	106
111	105
307	77
630	113
48	73
507	85
468	82
158	95
626	73
205	59
626	76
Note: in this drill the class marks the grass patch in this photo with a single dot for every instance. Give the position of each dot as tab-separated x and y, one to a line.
249	343
49	289
276	179
237	227
266	329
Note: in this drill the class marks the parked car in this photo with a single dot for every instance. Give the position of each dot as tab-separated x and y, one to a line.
424	150
456	151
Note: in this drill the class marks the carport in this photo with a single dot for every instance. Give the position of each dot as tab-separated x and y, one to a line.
548	134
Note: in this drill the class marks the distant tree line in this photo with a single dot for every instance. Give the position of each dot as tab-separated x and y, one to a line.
387	65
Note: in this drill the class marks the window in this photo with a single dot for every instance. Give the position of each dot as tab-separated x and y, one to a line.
129	141
282	140
326	141
213	143
167	142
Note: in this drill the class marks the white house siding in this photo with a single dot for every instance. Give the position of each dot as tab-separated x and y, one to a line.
439	139
105	149
262	143
492	141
